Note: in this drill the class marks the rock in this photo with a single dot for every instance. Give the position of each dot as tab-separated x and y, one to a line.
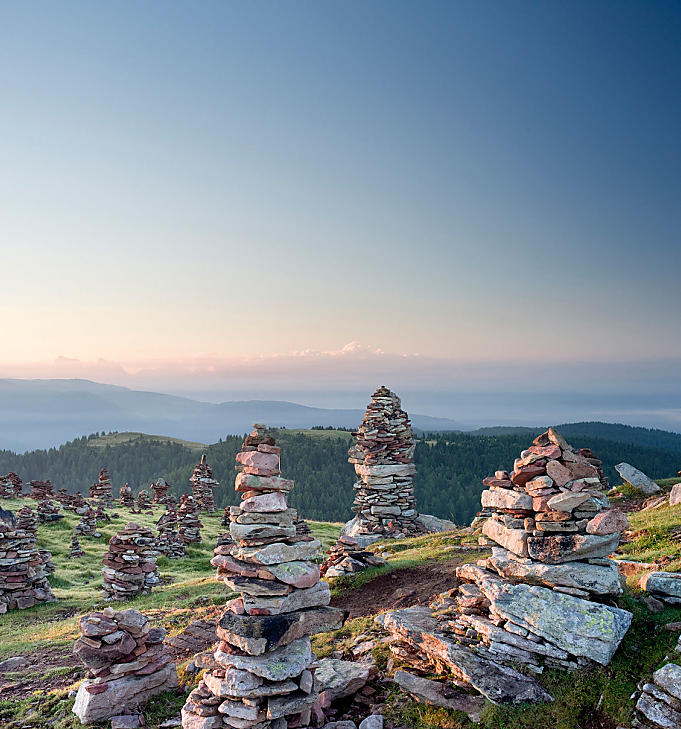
568	547
567	501
278	552
653	604
203	482
675	495
277	665
12	664
637	478
440	694
375	721
338	679
433	524
664	585
506	499
346	724
608	522
514	540
126	721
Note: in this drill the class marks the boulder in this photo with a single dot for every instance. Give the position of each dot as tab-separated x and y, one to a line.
338	679
675	495
440	694
637	478
434	524
664	585
611	521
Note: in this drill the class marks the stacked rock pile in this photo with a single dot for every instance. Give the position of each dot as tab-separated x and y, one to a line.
144	502
659	705
48	511
87	526
23	569
302	528
383	459
127	664
260	674
189	526
346	557
129	567
76	550
101	515
64	498
160	488
538	600
169	542
203	482
101	489
41	490
225	517
126	497
10	486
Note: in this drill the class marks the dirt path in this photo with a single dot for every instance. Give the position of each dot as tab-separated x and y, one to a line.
412	586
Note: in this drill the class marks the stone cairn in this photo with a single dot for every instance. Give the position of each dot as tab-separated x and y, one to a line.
160	488
87	526
76	550
203	483
23	569
259	675
189	526
144	502
127	664
346	557
10	486
126	497
47	511
101	489
659	703
129	567
101	515
383	459
539	599
168	541
41	490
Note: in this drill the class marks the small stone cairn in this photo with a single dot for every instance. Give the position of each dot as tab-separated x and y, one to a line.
203	482
87	526
47	511
126	497
10	486
24	569
101	489
260	674
144	502
41	490
539	599
76	550
129	567
168	541
160	488
225	521
127	664
346	557
189	526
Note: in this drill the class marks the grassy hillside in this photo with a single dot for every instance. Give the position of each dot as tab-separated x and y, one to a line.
117	439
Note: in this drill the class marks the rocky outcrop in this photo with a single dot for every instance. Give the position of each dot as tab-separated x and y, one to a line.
10	486
129	567
127	664
203	482
24	569
637	478
260	674
101	489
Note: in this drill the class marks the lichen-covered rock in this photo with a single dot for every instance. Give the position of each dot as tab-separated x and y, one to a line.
637	478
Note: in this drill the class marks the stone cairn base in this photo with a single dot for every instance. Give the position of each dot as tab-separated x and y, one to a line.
203	482
87	526
539	599
127	664
168	542
24	569
144	502
347	557
260	675
189	526
76	550
160	488
126	497
47	511
41	490
129	567
101	489
10	486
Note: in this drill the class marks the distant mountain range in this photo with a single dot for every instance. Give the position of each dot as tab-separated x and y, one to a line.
46	413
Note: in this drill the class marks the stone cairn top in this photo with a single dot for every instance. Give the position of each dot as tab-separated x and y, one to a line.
169	542
160	488
24	569
383	458
41	490
129	567
189	526
539	599
48	511
87	526
260	675
144	502
127	663
203	482
126	497
10	486
76	550
101	489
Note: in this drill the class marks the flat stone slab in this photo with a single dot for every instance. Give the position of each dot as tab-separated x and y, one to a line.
515	540
570	547
338	679
277	665
637	478
440	694
662	584
498	683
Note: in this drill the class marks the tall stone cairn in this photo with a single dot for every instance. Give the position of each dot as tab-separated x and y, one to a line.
41	490
203	482
261	675
101	489
126	497
87	526
129	567
47	511
383	457
168	541
127	664
160	488
24	569
76	551
189	526
144	501
10	486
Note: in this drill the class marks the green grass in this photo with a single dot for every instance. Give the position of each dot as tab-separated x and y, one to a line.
115	439
317	434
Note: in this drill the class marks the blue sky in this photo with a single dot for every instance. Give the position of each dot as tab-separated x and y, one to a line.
466	181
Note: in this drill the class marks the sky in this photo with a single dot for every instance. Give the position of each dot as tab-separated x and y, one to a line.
268	197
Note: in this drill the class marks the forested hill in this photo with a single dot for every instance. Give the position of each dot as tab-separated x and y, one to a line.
448	482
